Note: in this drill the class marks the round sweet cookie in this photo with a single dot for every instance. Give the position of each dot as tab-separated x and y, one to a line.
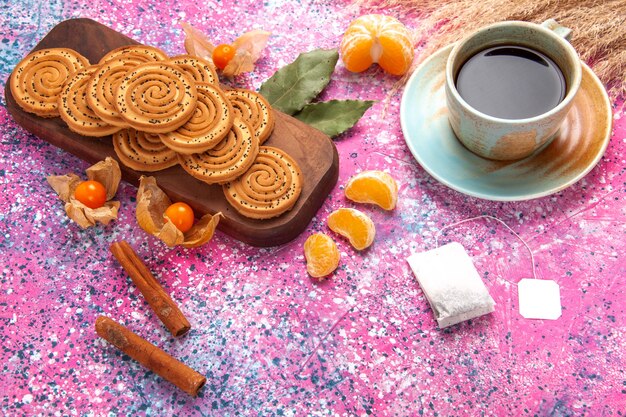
156	97
75	111
200	70
226	161
113	67
211	122
138	53
143	151
102	87
38	79
269	188
255	109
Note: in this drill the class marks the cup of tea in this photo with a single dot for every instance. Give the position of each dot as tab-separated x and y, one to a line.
509	86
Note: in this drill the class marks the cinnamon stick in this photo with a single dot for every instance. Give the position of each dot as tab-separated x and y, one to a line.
164	307
150	356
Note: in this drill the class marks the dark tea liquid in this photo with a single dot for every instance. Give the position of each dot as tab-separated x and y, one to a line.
511	82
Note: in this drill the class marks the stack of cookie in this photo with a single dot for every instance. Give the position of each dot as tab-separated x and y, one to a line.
165	111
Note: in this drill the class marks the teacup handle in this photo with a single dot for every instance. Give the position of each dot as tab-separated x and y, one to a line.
557	28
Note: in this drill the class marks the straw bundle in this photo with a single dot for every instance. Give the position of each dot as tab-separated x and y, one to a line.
599	33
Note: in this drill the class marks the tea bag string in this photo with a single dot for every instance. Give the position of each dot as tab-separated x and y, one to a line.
486	216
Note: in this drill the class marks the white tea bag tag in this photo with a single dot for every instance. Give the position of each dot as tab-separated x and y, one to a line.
539	299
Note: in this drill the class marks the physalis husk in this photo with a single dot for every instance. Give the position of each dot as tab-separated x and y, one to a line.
105	172
248	48
152	203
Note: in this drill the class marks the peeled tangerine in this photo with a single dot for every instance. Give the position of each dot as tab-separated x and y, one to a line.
353	224
105	172
152	203
322	255
376	38
375	187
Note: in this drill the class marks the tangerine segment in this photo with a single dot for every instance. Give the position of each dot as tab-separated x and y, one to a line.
322	255
377	38
356	50
353	224
397	56
376	187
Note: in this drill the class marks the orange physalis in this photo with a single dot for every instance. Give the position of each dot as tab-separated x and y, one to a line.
181	214
91	193
222	54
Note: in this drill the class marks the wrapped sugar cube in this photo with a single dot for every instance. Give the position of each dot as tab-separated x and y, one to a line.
451	284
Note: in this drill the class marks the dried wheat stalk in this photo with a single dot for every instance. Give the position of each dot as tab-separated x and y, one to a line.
599	33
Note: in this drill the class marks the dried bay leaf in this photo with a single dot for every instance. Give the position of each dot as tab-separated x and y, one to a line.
297	84
335	116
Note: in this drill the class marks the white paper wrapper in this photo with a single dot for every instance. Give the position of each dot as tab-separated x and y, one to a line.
451	284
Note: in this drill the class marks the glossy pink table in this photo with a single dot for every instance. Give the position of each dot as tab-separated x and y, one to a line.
270	340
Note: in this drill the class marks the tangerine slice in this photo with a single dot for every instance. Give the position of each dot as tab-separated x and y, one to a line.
377	38
353	224
322	255
376	187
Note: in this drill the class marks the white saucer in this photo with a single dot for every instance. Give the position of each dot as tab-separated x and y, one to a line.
578	147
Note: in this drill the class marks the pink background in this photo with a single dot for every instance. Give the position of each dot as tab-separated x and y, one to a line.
270	340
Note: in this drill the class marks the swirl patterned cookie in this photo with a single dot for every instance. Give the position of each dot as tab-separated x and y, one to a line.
226	161
103	85
138	53
254	109
156	97
211	122
200	70
37	80
269	188
75	111
143	151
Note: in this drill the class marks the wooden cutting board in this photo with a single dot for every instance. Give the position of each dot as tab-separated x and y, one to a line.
314	151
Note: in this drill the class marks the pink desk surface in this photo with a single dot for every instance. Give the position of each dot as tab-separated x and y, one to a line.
270	340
